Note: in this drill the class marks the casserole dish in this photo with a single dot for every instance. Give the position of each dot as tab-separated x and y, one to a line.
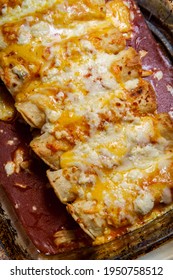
69	248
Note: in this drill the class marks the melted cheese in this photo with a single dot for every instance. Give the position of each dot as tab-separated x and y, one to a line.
27	7
119	14
7	110
26	29
126	170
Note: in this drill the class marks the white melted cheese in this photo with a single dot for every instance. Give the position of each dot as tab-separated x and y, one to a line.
24	35
28	7
9	168
115	147
120	164
99	79
144	203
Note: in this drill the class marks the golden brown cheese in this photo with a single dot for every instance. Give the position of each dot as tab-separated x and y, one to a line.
5	4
